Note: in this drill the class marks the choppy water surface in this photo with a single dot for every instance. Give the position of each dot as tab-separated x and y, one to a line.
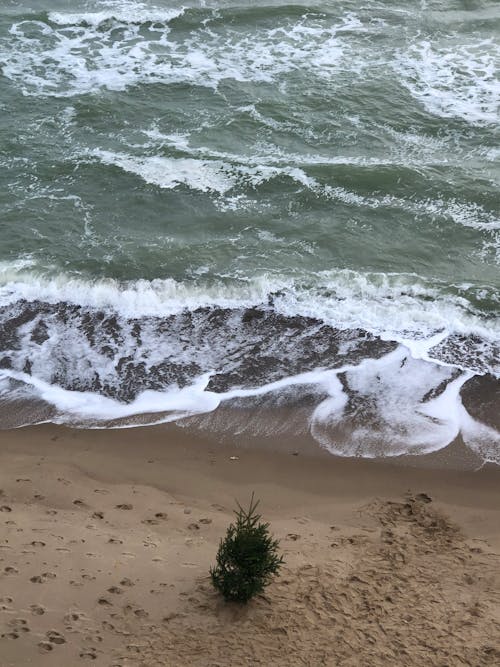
256	204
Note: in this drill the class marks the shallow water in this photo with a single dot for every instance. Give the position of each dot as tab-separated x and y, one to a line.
233	202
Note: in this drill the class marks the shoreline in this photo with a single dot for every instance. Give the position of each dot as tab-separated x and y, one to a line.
185	445
108	537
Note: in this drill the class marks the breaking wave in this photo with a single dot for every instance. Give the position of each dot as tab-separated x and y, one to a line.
378	383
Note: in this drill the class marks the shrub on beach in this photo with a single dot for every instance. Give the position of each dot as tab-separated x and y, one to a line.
247	557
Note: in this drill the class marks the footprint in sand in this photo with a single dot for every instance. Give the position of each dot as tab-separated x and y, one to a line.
170	617
37	610
5	508
423	497
116	590
124	506
72	617
134	648
193	526
55	637
219	508
42	578
127	582
101	491
159	516
206	522
98	515
88	654
37	543
10	570
114	540
19	625
104	602
45	647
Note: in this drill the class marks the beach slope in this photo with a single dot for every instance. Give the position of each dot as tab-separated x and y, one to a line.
106	539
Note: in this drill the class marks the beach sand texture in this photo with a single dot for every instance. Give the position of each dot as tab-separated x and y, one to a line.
107	537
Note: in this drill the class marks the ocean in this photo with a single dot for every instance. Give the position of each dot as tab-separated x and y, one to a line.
259	207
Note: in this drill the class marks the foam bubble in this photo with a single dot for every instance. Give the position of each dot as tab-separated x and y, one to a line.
454	80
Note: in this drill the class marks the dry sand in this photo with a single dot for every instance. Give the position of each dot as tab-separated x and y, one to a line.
107	536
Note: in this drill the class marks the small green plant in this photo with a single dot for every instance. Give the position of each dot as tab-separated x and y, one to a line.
247	557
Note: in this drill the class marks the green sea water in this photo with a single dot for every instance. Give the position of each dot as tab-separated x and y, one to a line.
231	139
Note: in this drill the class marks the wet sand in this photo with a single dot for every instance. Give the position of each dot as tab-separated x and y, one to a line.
107	537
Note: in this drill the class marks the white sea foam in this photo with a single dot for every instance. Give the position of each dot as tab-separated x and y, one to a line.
218	172
271	162
267	154
402	412
484	440
129	44
82	406
141	298
401	418
202	175
454	80
210	175
401	307
117	11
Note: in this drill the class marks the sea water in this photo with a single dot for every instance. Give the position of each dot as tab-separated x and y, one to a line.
256	204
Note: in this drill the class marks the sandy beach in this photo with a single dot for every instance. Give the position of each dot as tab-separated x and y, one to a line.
107	538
